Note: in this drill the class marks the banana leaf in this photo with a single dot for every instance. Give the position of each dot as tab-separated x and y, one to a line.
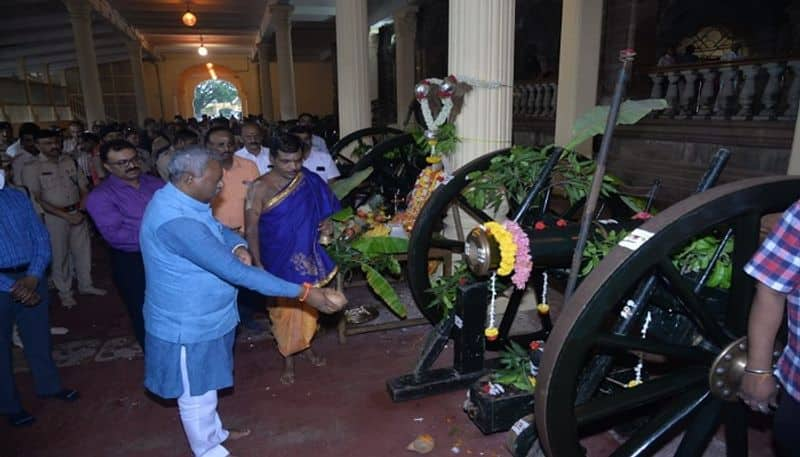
343	214
372	245
342	187
384	290
594	122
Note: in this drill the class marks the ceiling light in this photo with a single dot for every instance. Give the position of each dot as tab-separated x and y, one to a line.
202	49
209	65
188	18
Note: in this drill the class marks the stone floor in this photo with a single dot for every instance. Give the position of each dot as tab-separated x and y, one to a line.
341	409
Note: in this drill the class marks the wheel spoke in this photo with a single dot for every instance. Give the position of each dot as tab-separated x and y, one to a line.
511	312
649	392
476	213
627	343
657	430
746	240
694	307
448	244
701	429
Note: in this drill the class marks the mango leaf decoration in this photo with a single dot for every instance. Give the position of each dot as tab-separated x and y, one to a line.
342	187
377	245
594	122
383	289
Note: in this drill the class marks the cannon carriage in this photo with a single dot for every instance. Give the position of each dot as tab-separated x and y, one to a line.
639	342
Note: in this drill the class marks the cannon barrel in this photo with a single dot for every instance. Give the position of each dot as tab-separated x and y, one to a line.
551	246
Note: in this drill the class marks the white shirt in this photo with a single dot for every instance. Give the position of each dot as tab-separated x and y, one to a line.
321	163
318	143
261	160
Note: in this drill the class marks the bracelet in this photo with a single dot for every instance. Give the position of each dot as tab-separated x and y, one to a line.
306	289
757	371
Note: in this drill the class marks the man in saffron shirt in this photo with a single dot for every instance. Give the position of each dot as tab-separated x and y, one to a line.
117	206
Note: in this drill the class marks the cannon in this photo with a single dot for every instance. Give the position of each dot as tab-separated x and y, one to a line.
599	333
394	156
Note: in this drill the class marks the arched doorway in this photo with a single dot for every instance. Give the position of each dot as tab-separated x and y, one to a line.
216	97
191	77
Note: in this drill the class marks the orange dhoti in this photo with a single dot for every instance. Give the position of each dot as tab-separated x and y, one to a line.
294	324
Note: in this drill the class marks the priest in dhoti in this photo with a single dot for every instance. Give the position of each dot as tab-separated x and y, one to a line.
286	210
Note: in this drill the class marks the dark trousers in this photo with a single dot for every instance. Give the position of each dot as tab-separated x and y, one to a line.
127	269
34	330
786	425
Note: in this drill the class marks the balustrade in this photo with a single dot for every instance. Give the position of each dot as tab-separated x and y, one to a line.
759	90
535	100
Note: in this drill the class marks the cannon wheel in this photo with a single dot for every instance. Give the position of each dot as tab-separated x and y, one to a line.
393	175
676	395
425	237
368	137
423	240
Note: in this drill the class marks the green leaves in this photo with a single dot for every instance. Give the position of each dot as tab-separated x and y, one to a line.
594	122
343	214
380	245
384	290
342	187
599	247
444	288
515	368
695	258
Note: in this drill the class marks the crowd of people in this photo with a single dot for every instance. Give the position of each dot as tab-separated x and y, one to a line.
233	208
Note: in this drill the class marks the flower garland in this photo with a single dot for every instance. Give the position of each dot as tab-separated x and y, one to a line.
429	179
514	256
522	261
508	248
447	88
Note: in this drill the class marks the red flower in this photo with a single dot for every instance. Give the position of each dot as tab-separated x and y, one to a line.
462	280
535	345
642	216
561	223
540	225
485	388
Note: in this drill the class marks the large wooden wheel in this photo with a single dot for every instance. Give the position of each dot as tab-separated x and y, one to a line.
396	163
426	240
591	339
363	139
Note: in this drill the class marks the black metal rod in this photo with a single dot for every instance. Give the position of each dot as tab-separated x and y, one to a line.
597	181
541	182
711	263
651	195
711	176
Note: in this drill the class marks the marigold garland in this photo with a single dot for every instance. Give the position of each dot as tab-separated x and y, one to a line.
508	249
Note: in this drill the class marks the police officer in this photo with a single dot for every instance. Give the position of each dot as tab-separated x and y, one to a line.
56	183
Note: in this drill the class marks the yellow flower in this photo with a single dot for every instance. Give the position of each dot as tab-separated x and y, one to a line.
508	250
433	159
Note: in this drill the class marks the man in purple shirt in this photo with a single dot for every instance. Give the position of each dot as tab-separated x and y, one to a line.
117	206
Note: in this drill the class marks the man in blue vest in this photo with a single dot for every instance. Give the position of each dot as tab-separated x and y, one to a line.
192	267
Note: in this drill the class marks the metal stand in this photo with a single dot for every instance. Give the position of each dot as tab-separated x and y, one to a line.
467	324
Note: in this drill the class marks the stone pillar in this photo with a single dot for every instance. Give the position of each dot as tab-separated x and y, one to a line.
80	15
264	81
372	62
579	63
481	46
352	69
283	51
137	72
405	32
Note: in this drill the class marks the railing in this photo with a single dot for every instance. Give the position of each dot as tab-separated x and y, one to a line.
758	90
535	100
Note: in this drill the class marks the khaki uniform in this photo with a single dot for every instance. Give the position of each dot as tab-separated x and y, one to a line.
59	184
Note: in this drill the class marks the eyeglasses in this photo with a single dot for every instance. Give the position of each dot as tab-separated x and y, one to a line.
124	163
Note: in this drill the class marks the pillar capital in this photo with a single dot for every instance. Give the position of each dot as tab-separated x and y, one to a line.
281	14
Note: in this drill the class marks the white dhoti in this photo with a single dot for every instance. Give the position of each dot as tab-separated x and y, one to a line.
200	420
